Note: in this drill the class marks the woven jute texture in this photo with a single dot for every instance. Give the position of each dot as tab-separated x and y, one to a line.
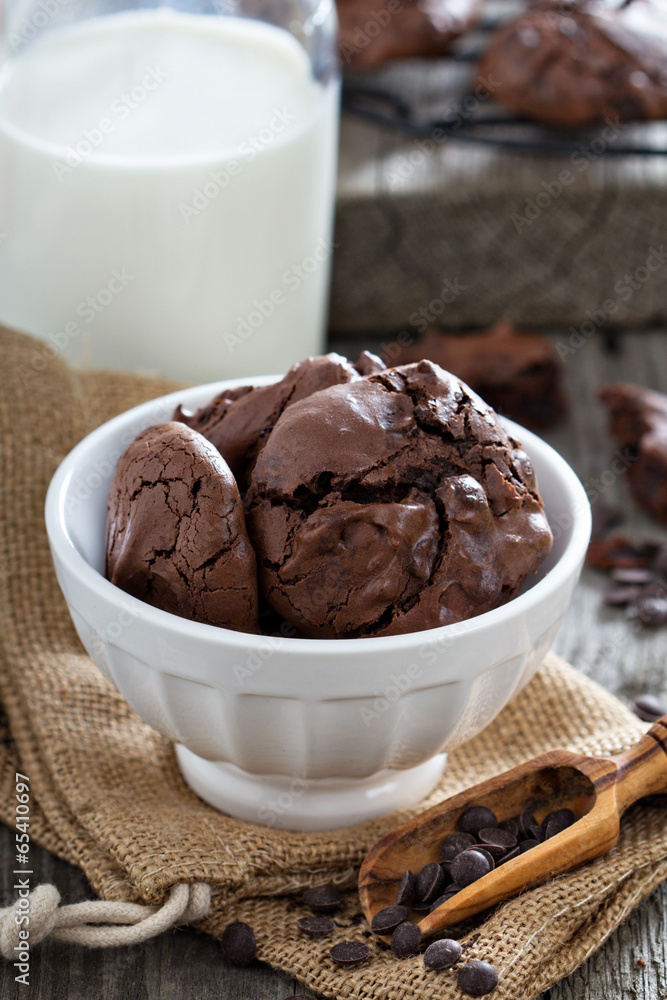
107	794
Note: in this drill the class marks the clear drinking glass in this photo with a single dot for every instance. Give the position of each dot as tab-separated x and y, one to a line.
167	177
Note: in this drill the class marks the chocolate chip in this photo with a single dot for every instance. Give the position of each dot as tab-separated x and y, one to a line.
490	853
406	939
387	920
349	952
617	552
477	978
406	890
628	574
497	837
536	833
621	595
442	954
469	866
557	821
316	926
419	906
648	707
430	881
650	611
454	843
514	853
528	844
511	826
446	896
526	823
450	891
476	818
238	943
323	899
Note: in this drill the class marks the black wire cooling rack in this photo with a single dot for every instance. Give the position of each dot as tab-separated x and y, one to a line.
493	126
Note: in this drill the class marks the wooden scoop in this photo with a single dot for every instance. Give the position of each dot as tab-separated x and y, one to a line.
597	789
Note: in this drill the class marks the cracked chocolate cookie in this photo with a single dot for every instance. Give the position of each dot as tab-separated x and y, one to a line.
393	504
515	371
176	535
371	35
638	424
238	421
581	63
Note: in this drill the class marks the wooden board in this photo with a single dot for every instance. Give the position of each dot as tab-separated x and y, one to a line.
416	214
632	965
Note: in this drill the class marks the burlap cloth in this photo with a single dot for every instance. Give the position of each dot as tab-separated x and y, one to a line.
107	794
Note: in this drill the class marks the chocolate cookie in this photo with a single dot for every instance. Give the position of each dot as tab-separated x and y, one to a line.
371	33
638	424
238	421
581	63
514	371
176	535
393	504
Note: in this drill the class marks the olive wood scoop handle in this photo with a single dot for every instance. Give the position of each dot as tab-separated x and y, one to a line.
597	789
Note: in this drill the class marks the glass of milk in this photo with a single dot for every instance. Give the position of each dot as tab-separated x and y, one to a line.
167	177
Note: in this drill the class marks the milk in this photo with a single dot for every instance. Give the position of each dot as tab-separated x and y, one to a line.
166	188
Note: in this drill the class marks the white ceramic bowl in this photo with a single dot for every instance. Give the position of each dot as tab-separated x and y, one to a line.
304	733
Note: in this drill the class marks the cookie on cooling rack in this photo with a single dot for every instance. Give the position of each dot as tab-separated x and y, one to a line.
582	63
373	33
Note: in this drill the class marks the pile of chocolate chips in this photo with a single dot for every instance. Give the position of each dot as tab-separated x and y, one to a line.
324	901
638	570
480	845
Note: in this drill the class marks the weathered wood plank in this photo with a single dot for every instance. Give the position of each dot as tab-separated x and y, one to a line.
414	212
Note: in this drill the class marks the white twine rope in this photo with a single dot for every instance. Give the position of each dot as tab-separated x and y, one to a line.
186	904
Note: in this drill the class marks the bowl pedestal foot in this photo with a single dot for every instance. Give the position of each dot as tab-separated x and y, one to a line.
296	803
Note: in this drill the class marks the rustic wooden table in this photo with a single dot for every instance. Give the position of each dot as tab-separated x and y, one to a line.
539	239
632	965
